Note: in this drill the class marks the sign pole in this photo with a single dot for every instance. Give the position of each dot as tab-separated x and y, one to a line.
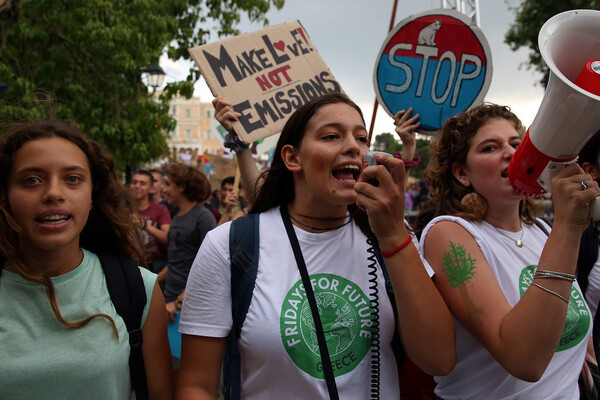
236	180
392	19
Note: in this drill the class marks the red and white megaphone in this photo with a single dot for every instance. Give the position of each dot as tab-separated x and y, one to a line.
570	111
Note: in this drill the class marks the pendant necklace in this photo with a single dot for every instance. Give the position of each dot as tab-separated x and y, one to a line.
518	242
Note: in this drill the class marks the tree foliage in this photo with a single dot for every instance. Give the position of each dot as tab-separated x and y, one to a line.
530	15
82	60
388	143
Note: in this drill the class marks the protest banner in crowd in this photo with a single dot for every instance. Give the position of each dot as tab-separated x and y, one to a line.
217	167
266	75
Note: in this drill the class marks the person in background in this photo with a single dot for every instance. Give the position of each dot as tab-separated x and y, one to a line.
156	195
522	326
225	204
187	188
62	203
317	186
588	262
153	220
406	128
414	383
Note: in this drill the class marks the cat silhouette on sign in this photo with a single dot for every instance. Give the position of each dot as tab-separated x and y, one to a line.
427	34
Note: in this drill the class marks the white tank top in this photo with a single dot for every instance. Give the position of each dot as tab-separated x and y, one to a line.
477	374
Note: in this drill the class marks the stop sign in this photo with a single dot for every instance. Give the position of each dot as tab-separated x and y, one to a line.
437	62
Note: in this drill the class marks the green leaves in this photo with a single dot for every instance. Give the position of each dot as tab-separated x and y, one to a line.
460	267
530	15
390	144
81	60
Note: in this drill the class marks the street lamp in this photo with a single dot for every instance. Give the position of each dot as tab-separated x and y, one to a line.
155	76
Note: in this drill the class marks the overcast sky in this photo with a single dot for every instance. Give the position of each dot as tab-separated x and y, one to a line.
349	34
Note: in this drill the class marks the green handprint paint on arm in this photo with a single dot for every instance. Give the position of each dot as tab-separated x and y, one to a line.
459	269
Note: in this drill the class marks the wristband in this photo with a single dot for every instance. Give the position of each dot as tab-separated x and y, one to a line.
545	274
551	292
178	303
233	143
408	163
397	249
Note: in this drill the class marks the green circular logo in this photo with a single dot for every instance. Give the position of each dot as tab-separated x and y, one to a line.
578	318
347	319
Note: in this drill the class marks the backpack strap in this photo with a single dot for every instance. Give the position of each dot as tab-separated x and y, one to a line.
243	253
397	347
128	294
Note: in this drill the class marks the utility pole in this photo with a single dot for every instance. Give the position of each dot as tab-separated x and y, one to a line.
468	7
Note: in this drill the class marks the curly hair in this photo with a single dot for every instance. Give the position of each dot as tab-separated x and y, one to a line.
446	195
197	186
109	228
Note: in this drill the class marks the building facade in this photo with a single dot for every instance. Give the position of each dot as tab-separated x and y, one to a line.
195	132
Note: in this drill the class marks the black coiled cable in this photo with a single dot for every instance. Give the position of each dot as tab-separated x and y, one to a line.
375	344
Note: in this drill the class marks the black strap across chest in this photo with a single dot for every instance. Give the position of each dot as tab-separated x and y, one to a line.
310	295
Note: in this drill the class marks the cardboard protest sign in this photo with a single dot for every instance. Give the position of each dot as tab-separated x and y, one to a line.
437	62
216	168
262	145
266	75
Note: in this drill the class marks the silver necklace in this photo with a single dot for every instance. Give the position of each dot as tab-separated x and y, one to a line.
518	242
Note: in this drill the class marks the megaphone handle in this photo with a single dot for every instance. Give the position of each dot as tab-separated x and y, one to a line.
595	210
550	171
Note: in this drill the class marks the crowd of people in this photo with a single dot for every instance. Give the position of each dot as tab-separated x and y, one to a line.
315	284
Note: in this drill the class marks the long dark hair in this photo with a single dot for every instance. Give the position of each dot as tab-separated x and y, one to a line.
590	151
109	227
447	196
277	183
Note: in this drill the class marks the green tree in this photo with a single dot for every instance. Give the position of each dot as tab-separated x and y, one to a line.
81	60
425	153
388	143
530	15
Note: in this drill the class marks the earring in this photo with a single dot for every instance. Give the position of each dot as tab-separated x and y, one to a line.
91	207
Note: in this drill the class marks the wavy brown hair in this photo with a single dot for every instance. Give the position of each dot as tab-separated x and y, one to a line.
197	186
109	228
446	195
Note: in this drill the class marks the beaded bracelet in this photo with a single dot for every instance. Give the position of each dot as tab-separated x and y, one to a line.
397	249
551	292
545	274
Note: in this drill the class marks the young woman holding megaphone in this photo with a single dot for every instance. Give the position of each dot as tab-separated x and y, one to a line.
315	210
522	325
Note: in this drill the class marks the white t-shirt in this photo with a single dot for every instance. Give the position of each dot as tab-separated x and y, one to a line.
279	350
477	374
592	293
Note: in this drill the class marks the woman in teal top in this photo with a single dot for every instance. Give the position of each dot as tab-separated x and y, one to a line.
60	336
